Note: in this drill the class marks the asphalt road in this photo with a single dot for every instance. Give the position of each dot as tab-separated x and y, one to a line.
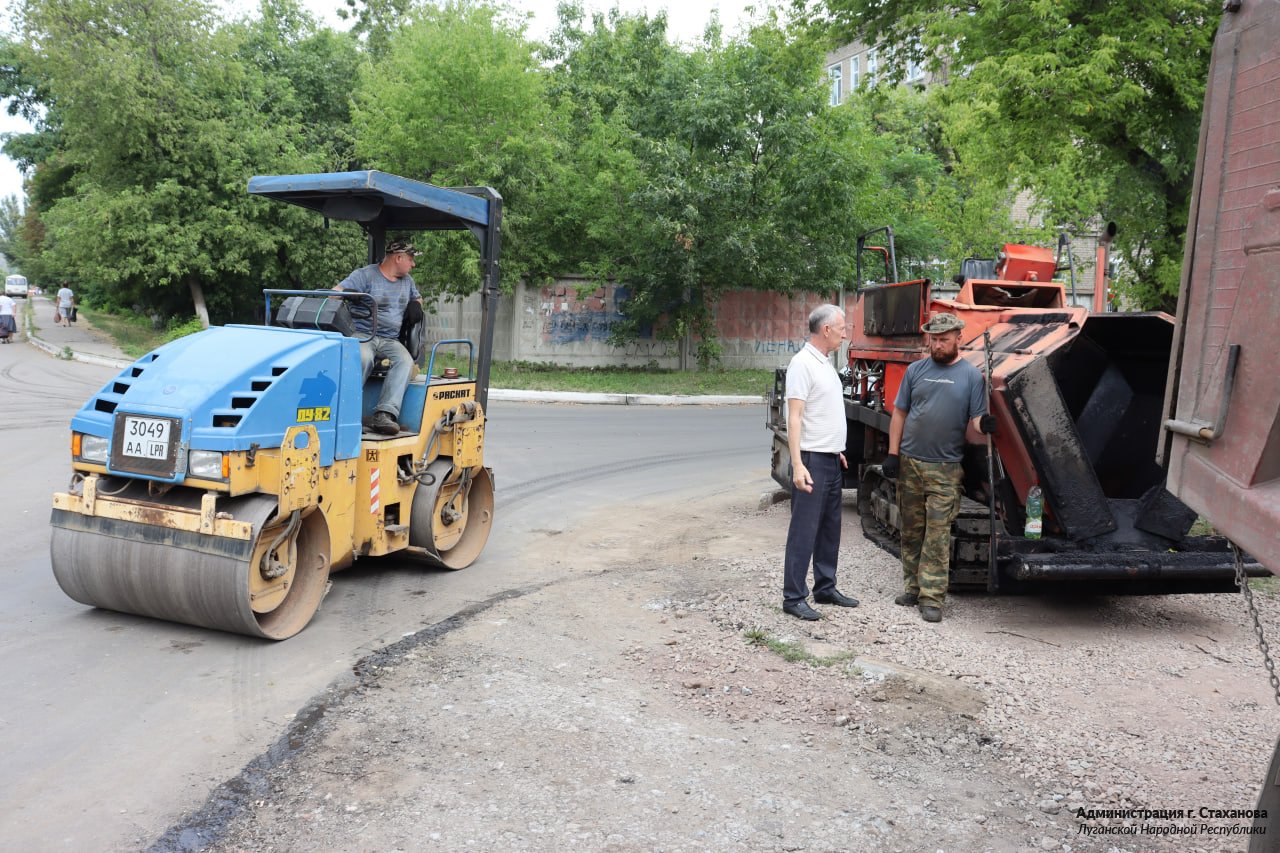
114	727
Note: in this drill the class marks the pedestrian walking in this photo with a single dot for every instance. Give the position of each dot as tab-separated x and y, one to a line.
940	398
8	317
66	298
816	440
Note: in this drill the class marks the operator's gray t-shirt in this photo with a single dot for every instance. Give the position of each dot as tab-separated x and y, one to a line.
939	400
391	296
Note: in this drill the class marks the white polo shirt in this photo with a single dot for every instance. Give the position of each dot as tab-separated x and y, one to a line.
810	377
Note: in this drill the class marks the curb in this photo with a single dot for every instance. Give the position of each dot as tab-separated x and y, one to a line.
87	358
28	327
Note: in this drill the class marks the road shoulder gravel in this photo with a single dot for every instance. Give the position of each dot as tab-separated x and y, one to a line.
645	703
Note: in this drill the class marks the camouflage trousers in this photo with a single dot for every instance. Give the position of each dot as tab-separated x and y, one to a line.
928	501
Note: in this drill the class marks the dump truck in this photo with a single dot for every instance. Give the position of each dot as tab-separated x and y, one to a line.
1220	439
220	479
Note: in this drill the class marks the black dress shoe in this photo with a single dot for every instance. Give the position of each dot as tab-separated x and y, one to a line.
837	598
801	610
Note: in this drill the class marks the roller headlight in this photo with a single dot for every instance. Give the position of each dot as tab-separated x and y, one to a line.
93	448
205	465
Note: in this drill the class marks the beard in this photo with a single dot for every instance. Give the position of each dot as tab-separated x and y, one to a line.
944	357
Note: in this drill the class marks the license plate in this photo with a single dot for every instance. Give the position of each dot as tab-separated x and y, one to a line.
146	438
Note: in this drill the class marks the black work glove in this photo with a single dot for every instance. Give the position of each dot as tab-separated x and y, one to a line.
889	466
987	424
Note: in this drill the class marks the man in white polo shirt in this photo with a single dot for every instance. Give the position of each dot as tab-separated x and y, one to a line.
816	439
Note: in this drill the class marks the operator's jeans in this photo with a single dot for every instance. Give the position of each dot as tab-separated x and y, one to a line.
397	374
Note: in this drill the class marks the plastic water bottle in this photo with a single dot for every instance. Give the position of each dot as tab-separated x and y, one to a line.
1035	513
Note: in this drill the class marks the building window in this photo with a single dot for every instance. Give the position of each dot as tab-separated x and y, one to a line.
834	74
853	74
871	68
915	69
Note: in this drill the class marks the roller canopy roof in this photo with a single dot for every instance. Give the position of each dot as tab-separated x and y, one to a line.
380	199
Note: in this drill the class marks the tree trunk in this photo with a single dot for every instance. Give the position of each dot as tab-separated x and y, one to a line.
197	297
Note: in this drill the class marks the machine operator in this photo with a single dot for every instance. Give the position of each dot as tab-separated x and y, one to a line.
390	284
941	398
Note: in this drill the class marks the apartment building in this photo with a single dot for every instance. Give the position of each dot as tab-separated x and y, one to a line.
855	66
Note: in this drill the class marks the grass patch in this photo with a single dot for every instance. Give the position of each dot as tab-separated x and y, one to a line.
629	380
791	651
1202	527
135	335
1265	586
527	376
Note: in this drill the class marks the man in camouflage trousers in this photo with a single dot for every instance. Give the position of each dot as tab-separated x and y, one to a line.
940	399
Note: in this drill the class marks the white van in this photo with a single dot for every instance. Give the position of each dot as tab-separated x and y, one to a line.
15	285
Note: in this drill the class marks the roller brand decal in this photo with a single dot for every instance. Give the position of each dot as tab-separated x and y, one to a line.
316	400
452	395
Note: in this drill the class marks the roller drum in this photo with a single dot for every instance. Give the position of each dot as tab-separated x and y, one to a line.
451	518
187	577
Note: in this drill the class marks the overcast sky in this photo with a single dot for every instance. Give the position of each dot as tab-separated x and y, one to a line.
686	21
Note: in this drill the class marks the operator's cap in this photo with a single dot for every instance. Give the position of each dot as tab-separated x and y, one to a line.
941	322
397	246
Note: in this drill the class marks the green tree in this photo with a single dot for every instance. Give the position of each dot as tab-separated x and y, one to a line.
11	245
713	169
457	100
161	118
1094	107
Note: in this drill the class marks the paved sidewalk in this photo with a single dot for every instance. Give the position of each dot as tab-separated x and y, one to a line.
79	341
82	342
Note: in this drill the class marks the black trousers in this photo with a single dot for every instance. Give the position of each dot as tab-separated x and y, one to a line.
814	533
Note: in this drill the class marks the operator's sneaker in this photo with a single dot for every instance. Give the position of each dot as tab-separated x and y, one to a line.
383	423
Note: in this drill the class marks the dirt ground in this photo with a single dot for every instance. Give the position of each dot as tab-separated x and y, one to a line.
652	696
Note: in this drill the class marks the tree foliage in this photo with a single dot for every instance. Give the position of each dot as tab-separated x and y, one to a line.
1093	106
142	199
678	172
708	170
457	100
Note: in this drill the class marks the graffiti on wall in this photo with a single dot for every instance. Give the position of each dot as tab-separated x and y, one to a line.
775	322
777	347
566	318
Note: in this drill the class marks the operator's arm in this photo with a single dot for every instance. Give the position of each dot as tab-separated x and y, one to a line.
983	423
799	474
349	283
896	424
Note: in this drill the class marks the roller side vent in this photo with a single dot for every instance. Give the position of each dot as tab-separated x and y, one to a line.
243	402
259	385
108	406
120	387
221	419
278	371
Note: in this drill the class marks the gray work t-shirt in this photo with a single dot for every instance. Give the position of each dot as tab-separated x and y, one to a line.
939	400
392	298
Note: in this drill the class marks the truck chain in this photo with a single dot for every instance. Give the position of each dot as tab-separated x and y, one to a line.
1242	581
